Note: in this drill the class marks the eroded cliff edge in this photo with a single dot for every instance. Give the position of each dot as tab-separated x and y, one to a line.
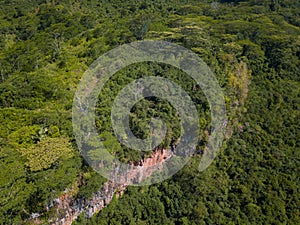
68	208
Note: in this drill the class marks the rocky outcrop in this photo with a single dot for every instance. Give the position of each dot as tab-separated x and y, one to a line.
68	208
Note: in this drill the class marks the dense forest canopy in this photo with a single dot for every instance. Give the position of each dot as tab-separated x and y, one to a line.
252	47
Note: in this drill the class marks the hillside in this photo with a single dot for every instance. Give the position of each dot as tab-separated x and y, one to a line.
253	49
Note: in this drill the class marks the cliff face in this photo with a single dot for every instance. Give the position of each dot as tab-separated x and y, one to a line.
68	208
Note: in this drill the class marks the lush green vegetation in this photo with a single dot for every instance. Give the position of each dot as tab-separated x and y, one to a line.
144	110
47	45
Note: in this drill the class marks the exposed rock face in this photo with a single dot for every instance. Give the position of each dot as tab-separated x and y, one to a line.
68	208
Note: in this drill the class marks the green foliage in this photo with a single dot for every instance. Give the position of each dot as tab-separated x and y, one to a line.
144	110
47	45
45	153
15	189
